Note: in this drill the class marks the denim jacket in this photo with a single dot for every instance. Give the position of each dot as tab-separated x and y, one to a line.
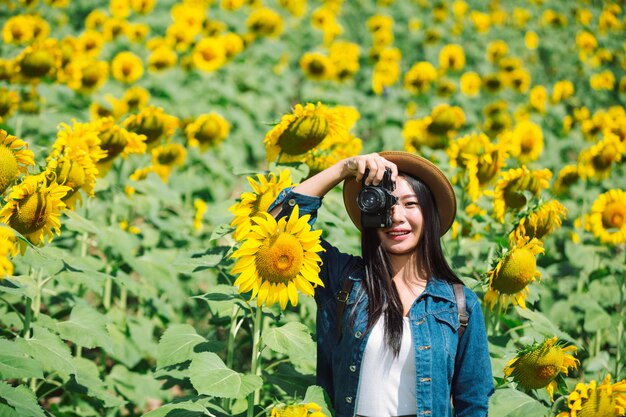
444	366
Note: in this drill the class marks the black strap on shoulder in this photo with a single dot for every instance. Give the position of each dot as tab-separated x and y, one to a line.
461	307
342	301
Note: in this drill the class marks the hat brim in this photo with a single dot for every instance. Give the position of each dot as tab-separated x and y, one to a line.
420	168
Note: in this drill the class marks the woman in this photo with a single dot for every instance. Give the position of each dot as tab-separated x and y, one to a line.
396	351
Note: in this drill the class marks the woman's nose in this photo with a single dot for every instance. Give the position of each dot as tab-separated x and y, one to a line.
396	213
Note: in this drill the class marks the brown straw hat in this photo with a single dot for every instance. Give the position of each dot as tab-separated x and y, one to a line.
420	168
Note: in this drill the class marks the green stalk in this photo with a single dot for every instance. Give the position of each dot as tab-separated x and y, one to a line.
28	317
106	298
230	349
255	361
37	300
555	406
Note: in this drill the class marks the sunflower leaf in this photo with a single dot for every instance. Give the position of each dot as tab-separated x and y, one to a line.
510	402
210	376
14	364
177	344
294	340
86	327
21	399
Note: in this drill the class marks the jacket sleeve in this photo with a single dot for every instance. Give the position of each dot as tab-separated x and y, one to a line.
307	204
473	381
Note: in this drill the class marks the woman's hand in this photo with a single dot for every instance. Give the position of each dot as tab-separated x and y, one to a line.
373	163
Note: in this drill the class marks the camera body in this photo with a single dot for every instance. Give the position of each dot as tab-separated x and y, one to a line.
375	202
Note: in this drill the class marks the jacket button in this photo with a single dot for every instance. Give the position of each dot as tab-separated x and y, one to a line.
291	202
425	379
422	321
352	368
358	335
349	400
424	347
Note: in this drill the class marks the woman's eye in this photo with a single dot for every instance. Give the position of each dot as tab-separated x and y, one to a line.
411	204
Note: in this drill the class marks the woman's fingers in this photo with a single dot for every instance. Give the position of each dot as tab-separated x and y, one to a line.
372	167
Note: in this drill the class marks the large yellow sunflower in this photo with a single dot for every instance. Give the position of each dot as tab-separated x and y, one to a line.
15	157
298	410
7	249
264	192
33	209
304	129
207	130
590	400
541	365
209	54
596	162
540	222
278	258
509	279
152	122
508	193
608	217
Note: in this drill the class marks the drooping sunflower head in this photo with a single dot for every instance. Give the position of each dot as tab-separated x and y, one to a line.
8	249
541	221
540	365
33	208
607	219
277	259
590	400
303	130
152	122
207	130
39	60
297	410
15	157
264	191
509	279
117	141
508	193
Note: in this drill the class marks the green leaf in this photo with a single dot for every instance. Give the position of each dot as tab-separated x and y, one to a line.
21	399
596	318
316	394
293	339
176	345
86	327
48	349
543	325
137	388
183	409
210	376
87	376
15	364
509	402
79	224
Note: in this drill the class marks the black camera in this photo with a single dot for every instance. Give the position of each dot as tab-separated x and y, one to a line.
375	202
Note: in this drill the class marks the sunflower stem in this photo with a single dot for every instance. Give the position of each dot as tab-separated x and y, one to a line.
253	398
37	300
555	406
28	317
230	349
106	298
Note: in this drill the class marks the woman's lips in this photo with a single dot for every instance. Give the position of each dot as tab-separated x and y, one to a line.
397	234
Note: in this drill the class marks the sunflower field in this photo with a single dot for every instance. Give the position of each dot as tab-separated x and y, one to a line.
143	141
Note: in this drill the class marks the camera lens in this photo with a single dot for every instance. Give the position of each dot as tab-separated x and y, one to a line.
371	200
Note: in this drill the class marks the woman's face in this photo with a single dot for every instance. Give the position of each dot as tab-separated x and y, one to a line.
406	228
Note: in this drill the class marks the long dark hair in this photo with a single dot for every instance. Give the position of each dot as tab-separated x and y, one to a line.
382	295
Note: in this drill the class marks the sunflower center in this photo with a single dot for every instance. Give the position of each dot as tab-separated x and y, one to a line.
208	131
599	404
32	214
127	68
91	76
113	142
151	127
8	168
168	156
317	67
71	174
604	159
37	64
614	215
280	259
442	123
294	411
516	272
303	134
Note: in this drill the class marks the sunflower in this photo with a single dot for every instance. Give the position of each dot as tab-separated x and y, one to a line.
9	101
508	193
162	58
8	248
527	141
90	43
278	258
15	157
152	122
345	59
207	130
264	22
116	141
209	54
496	50
562	90
39	60
519	79
33	209
417	80
509	279
538	97
590	400
470	83
127	67
386	72
166	157
607	219
82	136
76	170
596	162
18	30
317	66
541	365
179	36
567	176
298	410
304	129
85	75
604	80
201	208
541	221
452	57
142	6
233	44
264	192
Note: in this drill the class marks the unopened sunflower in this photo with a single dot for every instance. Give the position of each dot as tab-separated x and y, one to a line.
508	192
264	191
207	130
8	249
33	208
303	130
541	365
591	400
15	157
152	122
509	279
541	221
277	259
607	219
298	410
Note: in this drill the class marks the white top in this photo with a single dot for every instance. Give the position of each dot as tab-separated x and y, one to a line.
387	386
